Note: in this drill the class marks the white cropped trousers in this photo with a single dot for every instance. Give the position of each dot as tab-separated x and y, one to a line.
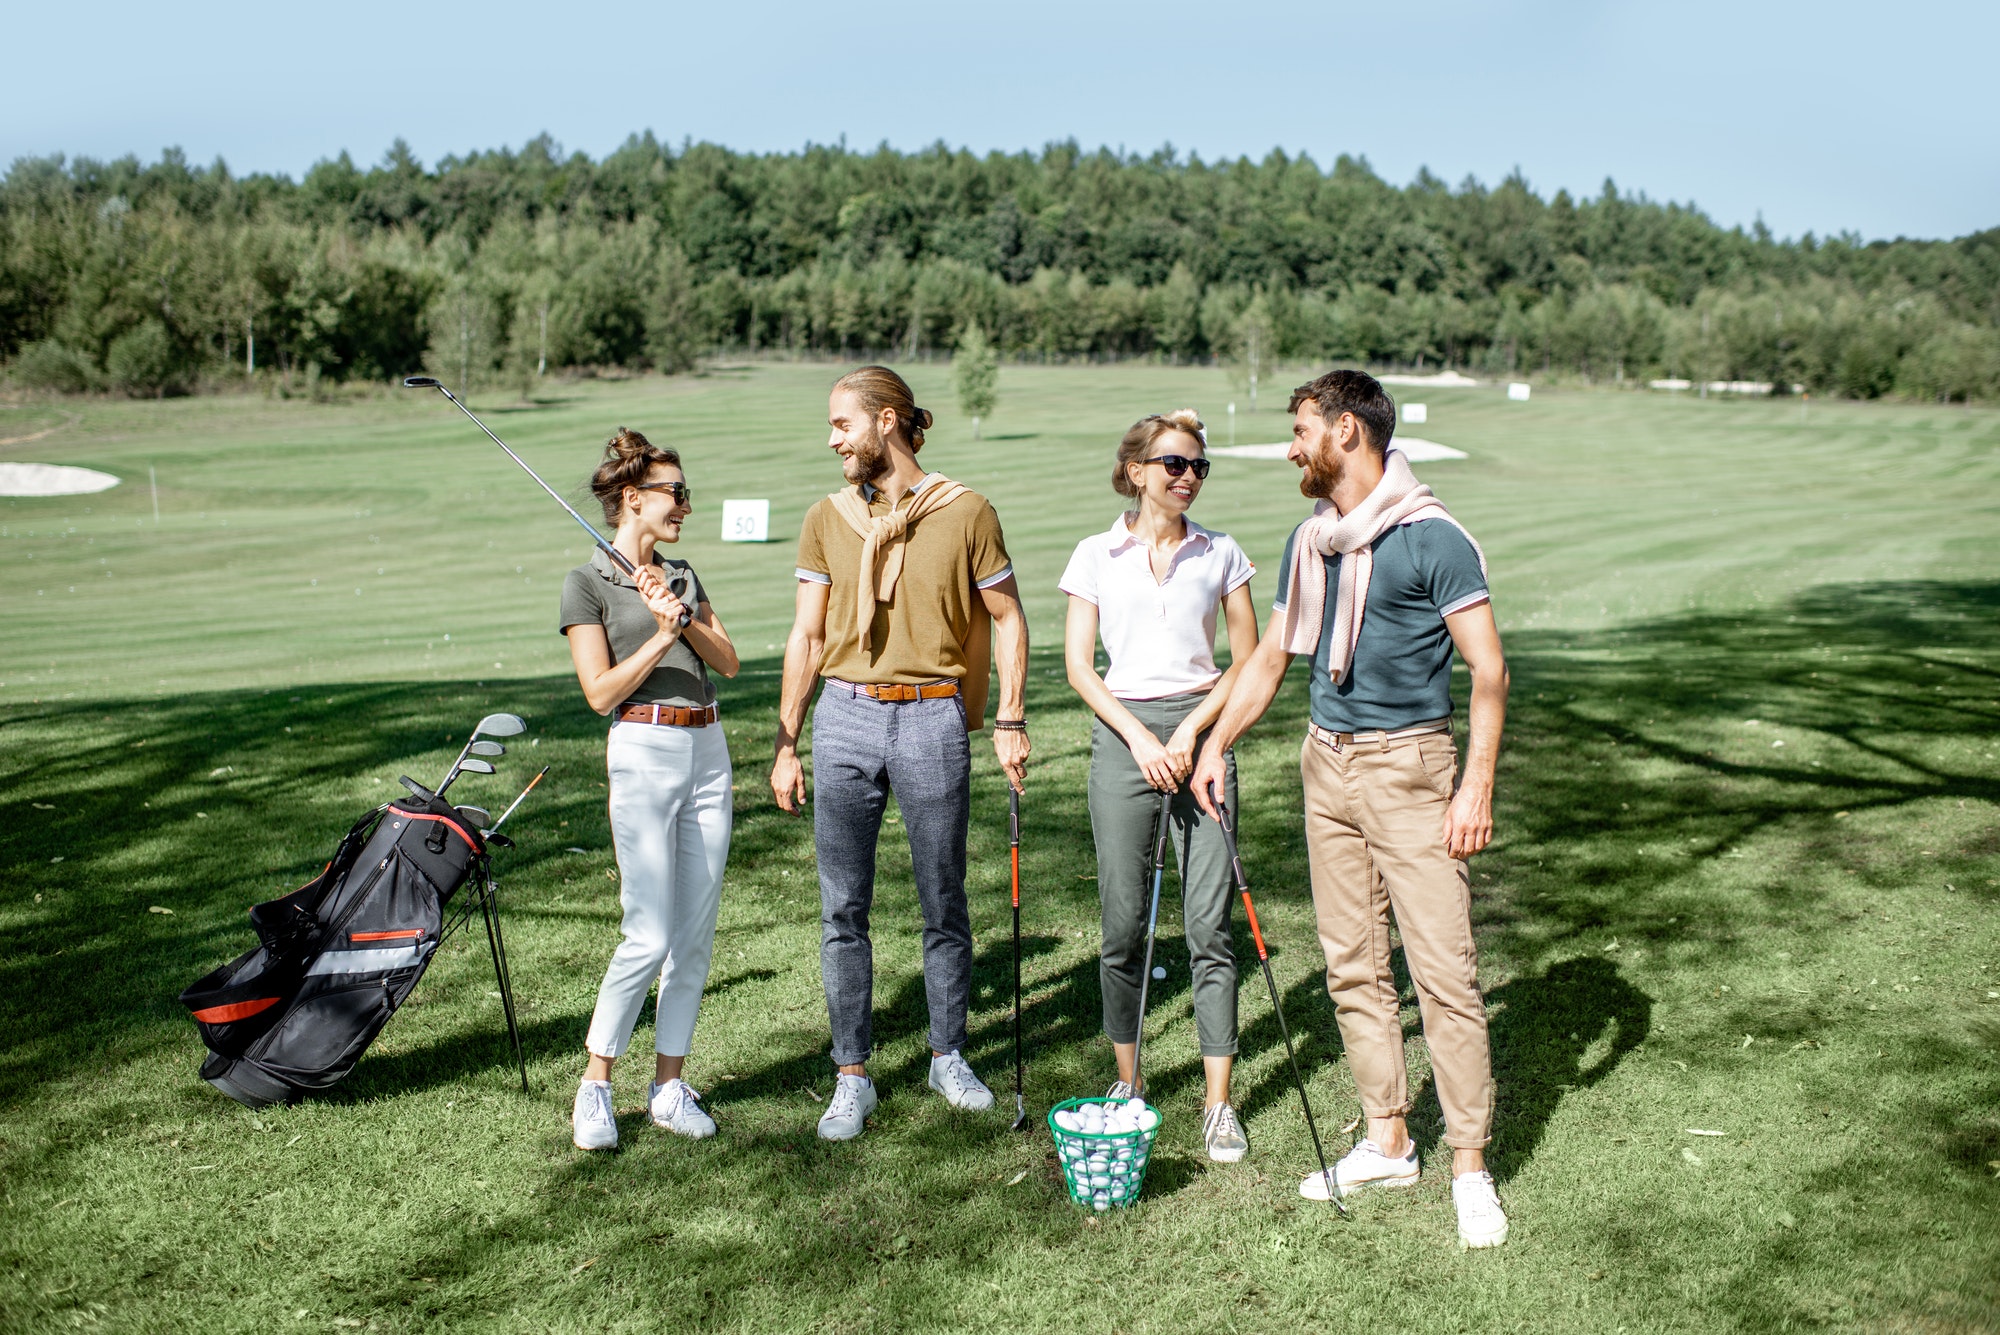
670	822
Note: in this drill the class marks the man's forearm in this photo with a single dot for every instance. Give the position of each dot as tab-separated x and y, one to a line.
802	657
1010	643
1488	716
1249	696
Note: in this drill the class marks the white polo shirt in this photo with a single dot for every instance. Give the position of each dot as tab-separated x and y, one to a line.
1159	634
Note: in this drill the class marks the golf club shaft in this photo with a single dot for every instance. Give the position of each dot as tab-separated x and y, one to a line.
1152	925
618	557
517	801
1014	853
1277	1008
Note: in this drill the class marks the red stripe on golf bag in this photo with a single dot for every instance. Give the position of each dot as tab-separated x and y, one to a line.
405	935
236	1010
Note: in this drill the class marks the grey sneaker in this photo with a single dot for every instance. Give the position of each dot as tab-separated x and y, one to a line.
853	1099
1481	1221
1223	1134
592	1124
677	1107
951	1077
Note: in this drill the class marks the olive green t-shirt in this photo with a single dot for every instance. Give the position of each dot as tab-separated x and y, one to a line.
919	634
602	594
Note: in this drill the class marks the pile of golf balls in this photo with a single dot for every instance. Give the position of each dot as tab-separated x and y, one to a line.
1106	1172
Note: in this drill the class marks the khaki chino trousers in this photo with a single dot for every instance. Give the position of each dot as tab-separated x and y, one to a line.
1374	836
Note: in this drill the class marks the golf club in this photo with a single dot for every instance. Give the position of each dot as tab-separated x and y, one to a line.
1152	923
488	749
618	558
469	765
1264	958
479	816
517	801
432	382
493	725
1014	850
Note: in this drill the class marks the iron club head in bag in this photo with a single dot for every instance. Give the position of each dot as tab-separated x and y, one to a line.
493	725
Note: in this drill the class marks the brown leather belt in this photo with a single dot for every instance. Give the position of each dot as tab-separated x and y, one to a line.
896	692
672	716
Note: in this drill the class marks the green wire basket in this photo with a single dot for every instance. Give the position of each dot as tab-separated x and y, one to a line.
1103	1170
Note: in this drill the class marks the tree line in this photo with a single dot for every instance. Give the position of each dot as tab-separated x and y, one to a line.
508	265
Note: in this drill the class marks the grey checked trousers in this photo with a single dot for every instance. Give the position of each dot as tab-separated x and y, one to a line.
863	750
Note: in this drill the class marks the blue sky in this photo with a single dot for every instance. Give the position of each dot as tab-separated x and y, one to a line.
1824	117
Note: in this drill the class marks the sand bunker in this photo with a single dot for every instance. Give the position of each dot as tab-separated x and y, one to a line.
1442	380
52	480
1419	451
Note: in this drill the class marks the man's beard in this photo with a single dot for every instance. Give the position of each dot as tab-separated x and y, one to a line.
1320	476
869	459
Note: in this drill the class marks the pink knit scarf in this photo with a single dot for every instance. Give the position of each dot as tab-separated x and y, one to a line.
1397	499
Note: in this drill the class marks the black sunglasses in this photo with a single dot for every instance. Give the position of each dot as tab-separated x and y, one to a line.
1175	465
678	492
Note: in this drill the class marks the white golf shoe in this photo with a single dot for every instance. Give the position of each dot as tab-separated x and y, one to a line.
1223	1134
1122	1090
676	1107
1364	1166
592	1123
846	1112
951	1077
1481	1221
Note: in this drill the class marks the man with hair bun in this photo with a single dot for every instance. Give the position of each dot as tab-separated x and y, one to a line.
1378	588
905	594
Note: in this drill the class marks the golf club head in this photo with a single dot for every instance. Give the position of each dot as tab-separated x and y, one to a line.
1020	1114
472	765
496	839
420	382
500	725
488	749
479	817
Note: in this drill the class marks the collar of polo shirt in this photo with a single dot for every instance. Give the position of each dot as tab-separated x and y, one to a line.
1123	537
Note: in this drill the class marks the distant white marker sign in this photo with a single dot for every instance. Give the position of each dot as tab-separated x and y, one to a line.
1518	391
1416	413
746	521
52	480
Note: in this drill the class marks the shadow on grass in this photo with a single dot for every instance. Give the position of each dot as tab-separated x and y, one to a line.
1627	770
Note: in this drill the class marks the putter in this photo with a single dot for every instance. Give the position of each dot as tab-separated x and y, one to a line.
617	557
1264	958
493	725
1014	850
1152	922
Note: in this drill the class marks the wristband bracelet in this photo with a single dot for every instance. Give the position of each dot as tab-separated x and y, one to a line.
1010	724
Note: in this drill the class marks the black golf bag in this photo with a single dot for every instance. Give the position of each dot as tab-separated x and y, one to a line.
337	956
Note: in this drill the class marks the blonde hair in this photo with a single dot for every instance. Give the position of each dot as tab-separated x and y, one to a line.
878	387
1138	442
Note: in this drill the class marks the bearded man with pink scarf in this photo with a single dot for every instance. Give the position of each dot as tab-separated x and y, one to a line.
1378	588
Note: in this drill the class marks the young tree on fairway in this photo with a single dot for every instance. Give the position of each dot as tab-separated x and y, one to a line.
975	374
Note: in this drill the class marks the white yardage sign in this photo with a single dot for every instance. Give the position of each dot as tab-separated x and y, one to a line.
746	521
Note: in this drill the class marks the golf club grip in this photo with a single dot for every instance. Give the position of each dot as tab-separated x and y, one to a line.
1256	932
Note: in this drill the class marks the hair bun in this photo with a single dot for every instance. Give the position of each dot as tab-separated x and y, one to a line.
924	419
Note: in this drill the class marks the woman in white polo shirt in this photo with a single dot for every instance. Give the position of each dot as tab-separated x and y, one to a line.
1151	587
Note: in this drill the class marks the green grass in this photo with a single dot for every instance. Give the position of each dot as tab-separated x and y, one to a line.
1682	923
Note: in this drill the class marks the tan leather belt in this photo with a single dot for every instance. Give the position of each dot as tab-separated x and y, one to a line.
897	693
672	716
1378	736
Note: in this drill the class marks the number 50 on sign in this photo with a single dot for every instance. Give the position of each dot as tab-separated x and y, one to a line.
746	521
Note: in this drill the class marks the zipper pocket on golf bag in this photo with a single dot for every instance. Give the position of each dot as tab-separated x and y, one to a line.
325	1033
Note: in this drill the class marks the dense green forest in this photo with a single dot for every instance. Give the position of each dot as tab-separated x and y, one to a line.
501	266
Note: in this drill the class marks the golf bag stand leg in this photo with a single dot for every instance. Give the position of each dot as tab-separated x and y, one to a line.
489	906
1160	830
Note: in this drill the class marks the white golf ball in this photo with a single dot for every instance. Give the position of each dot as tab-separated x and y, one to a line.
1148	1120
1159	971
1101	1203
1136	1105
1065	1119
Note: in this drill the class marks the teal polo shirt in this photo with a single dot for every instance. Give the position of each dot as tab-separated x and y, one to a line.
1401	673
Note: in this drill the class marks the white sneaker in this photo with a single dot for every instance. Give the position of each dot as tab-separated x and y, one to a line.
677	1107
1223	1134
1481	1221
1121	1090
951	1077
1364	1166
592	1124
853	1099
